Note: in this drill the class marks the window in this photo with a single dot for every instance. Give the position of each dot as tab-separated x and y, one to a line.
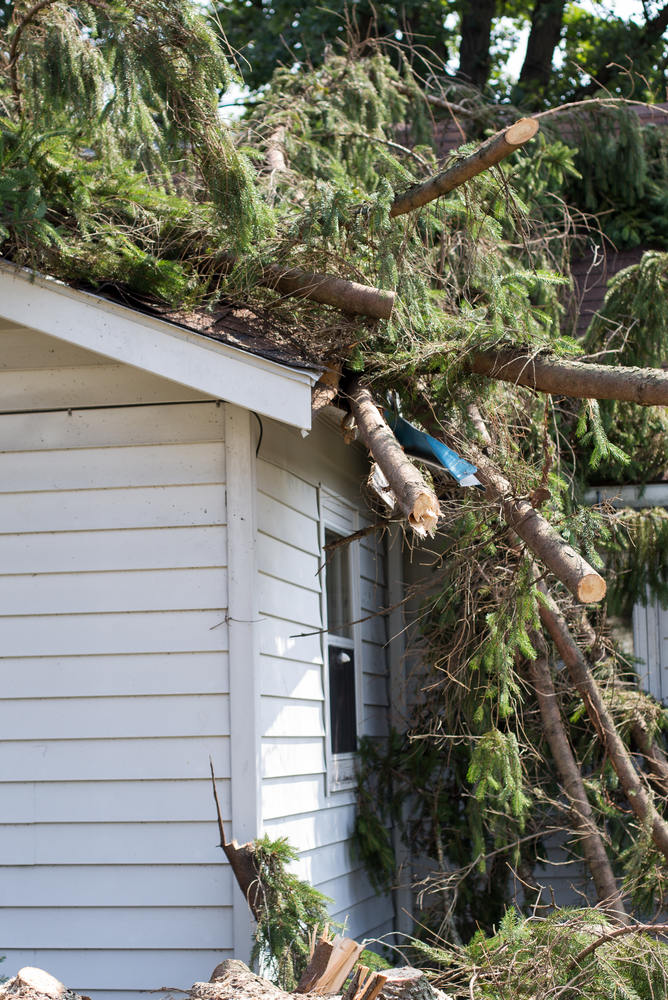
341	642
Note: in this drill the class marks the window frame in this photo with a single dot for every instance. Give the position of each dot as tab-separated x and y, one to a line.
341	517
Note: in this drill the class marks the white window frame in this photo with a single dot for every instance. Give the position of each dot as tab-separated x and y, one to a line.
341	516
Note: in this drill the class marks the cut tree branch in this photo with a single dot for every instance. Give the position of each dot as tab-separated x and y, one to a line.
242	862
491	152
584	583
348	296
645	386
570	775
602	721
417	501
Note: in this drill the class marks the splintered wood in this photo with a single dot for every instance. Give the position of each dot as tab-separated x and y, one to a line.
330	965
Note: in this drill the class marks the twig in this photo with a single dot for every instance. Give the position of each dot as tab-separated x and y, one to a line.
223	842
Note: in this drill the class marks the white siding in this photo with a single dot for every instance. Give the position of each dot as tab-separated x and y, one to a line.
296	801
115	686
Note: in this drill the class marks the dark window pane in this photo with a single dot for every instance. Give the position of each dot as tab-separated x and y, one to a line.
337	583
342	699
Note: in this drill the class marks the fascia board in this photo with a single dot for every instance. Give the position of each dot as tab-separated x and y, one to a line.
155	346
652	495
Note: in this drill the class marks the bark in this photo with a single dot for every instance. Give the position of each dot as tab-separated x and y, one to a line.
276	151
316	967
408	983
546	24
242	862
416	500
654	756
570	776
348	296
645	386
476	30
584	583
602	721
491	152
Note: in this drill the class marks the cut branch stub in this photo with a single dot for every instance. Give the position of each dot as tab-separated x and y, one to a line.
584	583
491	152
415	498
348	296
563	377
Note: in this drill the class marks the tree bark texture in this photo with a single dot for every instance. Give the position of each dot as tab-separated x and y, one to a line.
570	775
348	296
417	501
645	386
584	583
546	24
491	152
476	31
602	721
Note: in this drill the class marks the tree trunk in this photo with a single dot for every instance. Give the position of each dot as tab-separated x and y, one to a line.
563	377
417	500
584	583
546	24
491	152
570	776
602	721
476	30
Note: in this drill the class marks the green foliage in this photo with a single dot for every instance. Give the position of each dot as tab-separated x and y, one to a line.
540	957
636	555
293	909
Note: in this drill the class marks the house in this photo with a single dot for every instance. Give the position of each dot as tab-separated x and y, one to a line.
165	505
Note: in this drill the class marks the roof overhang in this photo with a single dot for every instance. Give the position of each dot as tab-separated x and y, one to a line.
156	346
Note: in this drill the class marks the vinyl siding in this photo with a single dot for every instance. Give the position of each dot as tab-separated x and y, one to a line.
115	683
296	800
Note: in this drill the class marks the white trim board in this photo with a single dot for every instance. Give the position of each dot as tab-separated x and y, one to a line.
156	346
653	495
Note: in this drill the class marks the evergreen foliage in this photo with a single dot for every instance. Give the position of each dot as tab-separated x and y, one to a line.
293	910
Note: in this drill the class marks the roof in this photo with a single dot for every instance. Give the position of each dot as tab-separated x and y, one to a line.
235	355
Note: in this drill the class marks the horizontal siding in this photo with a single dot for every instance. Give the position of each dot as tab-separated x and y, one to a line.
119	886
104	927
295	799
109	675
113	599
131	843
114	800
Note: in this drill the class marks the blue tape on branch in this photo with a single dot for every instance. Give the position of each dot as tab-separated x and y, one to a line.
423	445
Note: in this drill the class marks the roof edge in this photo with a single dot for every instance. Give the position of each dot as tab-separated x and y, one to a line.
155	345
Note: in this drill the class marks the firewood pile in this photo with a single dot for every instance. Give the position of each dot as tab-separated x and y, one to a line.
232	980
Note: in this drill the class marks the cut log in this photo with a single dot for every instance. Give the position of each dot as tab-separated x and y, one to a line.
316	968
348	296
408	983
414	497
570	775
491	152
344	954
232	980
33	982
584	583
602	721
645	386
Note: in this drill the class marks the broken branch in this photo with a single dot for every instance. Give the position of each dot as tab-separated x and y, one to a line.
491	152
545	542
600	718
570	775
348	296
645	386
415	498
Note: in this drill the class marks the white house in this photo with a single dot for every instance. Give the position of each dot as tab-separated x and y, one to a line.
162	522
